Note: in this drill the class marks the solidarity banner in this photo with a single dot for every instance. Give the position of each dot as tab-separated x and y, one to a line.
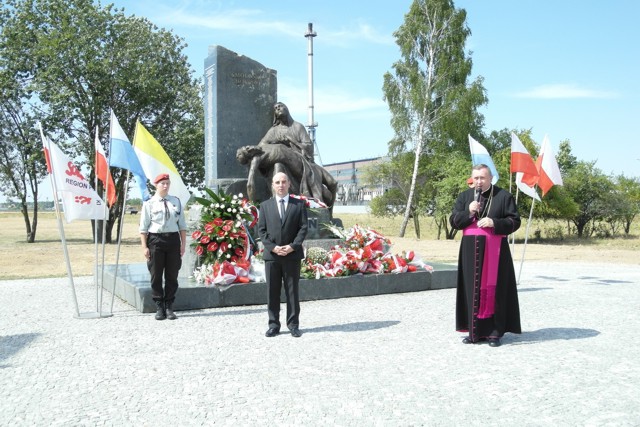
79	199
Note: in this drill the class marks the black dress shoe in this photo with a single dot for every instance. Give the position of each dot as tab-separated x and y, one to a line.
272	332
295	332
467	340
494	342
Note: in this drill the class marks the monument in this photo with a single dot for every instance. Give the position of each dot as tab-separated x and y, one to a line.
238	105
244	119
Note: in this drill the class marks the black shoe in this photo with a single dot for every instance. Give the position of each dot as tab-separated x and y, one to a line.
160	313
295	332
272	332
467	340
170	314
494	342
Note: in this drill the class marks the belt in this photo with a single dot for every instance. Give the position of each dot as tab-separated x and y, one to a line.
164	234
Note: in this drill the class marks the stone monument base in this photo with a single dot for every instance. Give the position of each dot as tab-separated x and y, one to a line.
132	285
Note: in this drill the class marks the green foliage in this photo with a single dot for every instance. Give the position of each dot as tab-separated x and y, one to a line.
75	60
589	188
433	107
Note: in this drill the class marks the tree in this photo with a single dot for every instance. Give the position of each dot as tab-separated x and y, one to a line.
396	172
81	60
21	159
427	93
589	188
629	190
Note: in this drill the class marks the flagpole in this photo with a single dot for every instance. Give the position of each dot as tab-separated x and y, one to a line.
104	232
122	213
513	236
115	273
526	236
60	226
96	280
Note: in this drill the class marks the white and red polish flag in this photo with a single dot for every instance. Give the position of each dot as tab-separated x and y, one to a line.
79	199
524	167
521	160
549	170
103	173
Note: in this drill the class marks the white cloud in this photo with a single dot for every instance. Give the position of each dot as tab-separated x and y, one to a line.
326	100
563	91
256	22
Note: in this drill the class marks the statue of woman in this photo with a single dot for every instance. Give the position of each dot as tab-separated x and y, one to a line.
286	147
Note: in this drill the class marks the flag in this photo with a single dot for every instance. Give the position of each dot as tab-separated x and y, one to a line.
525	188
521	160
123	156
549	170
154	161
103	173
79	200
480	155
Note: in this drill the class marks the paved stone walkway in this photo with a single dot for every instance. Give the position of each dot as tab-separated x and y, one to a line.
390	360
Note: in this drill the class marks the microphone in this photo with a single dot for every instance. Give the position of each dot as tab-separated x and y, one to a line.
476	198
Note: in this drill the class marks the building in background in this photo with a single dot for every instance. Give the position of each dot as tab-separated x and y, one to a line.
351	189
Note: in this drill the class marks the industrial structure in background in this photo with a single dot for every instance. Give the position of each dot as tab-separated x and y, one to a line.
351	189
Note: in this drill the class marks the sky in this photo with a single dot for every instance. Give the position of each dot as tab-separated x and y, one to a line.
564	68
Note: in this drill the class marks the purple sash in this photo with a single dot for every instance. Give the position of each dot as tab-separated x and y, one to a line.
489	278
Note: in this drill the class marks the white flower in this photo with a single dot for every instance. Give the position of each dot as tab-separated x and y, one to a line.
235	197
228	209
234	210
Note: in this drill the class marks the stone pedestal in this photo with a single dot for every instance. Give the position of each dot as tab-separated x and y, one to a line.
132	285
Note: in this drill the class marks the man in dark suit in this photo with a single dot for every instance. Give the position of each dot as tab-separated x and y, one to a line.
282	228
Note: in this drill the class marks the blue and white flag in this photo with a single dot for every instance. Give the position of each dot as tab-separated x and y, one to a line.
123	156
480	155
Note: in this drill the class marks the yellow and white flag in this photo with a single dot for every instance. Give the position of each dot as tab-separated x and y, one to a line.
154	161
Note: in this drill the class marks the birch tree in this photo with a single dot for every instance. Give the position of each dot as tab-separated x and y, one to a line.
431	104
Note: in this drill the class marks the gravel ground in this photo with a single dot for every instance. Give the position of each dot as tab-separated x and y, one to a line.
385	360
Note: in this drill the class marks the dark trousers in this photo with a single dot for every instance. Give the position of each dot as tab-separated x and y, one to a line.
279	273
165	259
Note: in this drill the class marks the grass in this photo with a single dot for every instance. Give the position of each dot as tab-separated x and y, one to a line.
44	258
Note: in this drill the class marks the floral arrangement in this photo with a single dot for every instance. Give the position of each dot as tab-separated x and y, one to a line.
365	252
222	240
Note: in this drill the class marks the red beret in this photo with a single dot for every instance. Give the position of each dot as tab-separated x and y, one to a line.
161	177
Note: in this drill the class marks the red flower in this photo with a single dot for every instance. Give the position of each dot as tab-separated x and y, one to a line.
224	246
218	221
227	227
239	251
208	228
196	235
221	233
212	246
199	250
205	239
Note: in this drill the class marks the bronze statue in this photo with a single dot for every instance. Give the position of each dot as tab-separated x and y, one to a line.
286	147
